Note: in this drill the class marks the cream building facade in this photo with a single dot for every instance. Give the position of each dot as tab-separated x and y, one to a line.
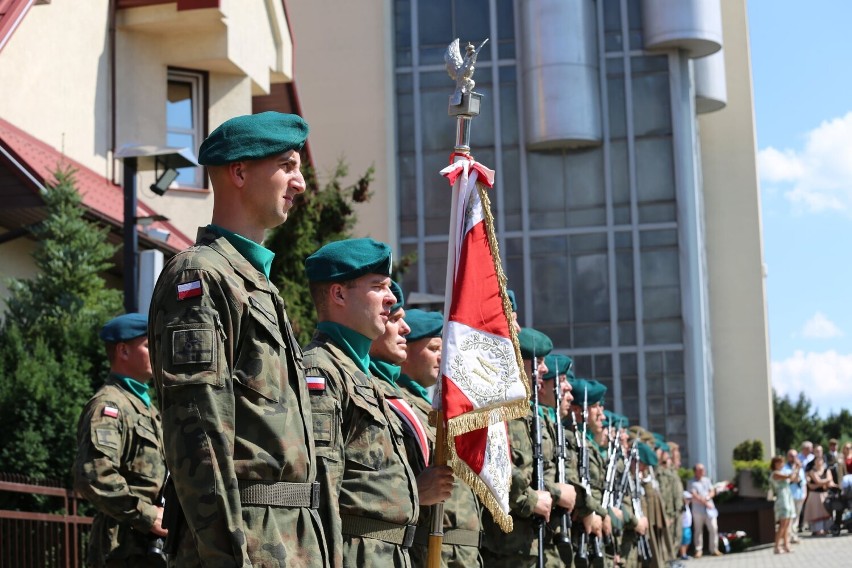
627	207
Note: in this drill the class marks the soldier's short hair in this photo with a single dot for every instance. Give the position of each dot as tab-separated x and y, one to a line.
110	351
319	294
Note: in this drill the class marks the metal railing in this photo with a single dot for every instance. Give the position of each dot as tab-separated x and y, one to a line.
38	539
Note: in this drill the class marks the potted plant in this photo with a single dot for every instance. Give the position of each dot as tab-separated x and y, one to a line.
752	471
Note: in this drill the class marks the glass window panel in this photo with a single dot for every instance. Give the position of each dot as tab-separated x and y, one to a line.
591	335
436	194
585	193
660	268
630	408
472	19
674	362
657	212
550	305
402	57
649	63
547	189
627	333
513	264
505	20
179	106
434	56
619	176
559	334
402	23
629	387
603	369
510	180
654	169
624	282
439	130
629	365
405	122
652	115
409	279
434	24
589	288
658	238
653	363
407	184
676	428
655	386
436	267
582	366
634	22
612	15
675	384
656	409
508	112
661	332
506	49
616	100
660	303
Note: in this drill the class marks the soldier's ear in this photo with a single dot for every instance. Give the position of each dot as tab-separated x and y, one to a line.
237	173
337	294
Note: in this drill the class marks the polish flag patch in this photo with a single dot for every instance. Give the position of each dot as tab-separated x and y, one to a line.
189	290
111	411
315	384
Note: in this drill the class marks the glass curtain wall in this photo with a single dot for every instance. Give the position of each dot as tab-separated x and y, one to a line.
588	237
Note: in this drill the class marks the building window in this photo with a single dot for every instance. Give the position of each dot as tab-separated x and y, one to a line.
185	107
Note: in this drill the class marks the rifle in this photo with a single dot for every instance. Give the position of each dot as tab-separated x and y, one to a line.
643	545
608	500
584	480
563	538
538	460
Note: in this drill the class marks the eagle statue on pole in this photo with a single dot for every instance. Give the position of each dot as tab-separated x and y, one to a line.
461	68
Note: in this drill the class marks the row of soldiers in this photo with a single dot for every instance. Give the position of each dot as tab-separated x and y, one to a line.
280	456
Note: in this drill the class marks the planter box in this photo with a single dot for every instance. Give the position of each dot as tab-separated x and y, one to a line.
747	488
754	516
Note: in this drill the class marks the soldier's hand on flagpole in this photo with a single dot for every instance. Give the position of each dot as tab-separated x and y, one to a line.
435	484
567	497
544	504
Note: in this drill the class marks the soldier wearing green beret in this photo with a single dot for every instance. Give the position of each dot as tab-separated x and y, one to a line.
120	467
370	497
520	547
389	354
237	420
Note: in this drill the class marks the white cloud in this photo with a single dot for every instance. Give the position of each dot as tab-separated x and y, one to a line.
820	327
819	177
825	378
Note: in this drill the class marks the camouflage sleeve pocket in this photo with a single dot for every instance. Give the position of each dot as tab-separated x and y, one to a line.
192	352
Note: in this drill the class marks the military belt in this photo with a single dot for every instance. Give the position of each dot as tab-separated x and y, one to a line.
402	535
279	494
458	537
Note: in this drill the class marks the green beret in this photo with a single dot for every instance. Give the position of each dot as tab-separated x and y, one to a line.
124	328
587	387
252	137
557	363
534	343
647	455
349	259
511	294
423	324
615	420
396	290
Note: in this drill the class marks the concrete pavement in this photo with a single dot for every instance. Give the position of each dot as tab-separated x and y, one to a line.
810	552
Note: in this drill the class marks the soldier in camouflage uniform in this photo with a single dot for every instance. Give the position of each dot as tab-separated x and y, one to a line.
671	493
369	490
462	524
528	506
236	414
120	467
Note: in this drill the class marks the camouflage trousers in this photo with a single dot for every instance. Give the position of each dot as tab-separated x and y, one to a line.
551	559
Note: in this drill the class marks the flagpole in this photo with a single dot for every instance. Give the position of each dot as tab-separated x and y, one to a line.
464	106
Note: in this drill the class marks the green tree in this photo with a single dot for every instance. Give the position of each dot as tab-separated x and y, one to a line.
51	359
321	215
795	422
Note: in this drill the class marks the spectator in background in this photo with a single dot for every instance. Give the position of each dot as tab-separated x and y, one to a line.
846	460
798	489
783	478
704	512
819	481
806	456
686	521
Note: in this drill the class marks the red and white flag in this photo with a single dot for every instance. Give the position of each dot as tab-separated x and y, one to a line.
481	385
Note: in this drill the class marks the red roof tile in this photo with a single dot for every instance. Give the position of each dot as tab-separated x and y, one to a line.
11	14
100	195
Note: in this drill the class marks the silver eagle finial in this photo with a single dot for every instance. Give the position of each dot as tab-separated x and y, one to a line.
461	69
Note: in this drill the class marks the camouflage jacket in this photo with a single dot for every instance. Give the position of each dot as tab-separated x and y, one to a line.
586	503
522	496
461	510
363	465
120	469
235	409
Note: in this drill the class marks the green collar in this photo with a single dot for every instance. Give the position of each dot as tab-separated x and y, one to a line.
387	372
414	387
134	387
546	412
258	256
355	345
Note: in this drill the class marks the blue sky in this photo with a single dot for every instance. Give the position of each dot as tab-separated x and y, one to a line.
803	109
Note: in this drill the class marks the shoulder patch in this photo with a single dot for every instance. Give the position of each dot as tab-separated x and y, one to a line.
189	290
110	411
316	385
